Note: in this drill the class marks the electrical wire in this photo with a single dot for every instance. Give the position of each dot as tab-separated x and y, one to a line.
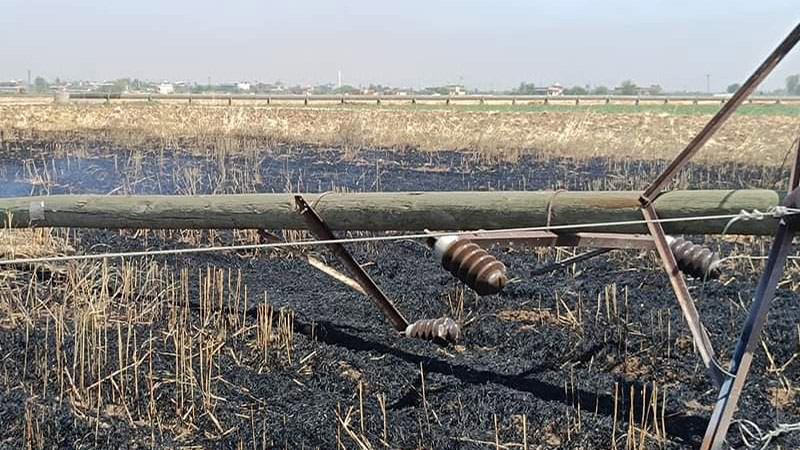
748	429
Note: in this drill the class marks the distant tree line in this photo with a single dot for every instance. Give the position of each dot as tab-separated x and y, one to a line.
793	84
40	85
525	89
627	87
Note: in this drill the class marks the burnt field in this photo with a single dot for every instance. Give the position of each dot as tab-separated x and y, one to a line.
259	349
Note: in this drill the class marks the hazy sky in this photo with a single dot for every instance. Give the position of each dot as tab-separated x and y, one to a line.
484	44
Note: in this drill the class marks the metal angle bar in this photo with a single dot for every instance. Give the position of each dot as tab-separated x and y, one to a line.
721	116
550	239
268	237
682	293
572	260
612	240
743	355
322	232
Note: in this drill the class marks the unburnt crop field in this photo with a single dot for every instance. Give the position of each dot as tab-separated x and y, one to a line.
260	349
758	134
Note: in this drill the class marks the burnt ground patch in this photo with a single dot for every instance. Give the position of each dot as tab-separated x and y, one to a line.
587	357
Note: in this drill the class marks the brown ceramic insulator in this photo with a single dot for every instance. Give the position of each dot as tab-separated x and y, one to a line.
443	328
694	259
475	267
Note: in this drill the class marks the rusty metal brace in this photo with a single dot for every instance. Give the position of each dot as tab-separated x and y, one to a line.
603	243
321	230
550	239
569	261
751	333
685	301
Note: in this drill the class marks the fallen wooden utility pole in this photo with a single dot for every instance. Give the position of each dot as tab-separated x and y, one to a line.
401	211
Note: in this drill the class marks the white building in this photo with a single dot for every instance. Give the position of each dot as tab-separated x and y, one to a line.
12	87
554	89
456	89
166	88
243	86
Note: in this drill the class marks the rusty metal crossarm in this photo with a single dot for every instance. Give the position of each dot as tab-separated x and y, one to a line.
550	239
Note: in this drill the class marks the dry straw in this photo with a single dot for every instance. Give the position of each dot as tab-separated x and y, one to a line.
503	135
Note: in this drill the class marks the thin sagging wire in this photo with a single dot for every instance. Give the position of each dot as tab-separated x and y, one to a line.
314	242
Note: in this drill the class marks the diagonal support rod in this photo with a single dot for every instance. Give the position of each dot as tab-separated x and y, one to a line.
743	355
569	261
322	232
721	116
682	293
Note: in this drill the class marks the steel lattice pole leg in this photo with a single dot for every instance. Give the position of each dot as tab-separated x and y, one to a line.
743	355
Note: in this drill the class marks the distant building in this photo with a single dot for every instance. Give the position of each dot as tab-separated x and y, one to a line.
77	87
102	86
12	87
166	88
456	89
243	86
654	89
553	90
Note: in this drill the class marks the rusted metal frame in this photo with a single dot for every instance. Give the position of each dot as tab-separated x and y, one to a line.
743	354
794	176
721	116
550	239
685	301
569	261
318	227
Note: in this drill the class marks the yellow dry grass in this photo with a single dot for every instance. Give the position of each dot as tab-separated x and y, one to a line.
761	139
31	243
